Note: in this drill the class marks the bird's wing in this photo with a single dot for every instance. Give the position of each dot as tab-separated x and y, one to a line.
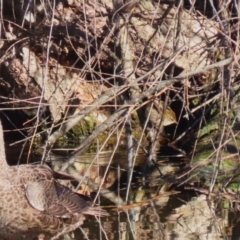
69	200
54	199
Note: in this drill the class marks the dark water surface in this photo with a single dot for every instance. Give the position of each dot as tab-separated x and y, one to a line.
179	216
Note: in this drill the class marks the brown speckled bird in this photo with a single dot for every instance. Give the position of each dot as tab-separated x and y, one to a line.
32	202
157	118
154	112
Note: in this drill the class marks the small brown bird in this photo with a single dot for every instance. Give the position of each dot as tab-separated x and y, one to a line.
154	113
157	118
32	202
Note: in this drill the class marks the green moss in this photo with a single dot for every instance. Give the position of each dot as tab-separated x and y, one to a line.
84	128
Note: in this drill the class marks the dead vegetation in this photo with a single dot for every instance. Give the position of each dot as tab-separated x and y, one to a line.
167	63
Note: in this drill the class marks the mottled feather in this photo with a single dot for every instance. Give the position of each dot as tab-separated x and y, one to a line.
32	202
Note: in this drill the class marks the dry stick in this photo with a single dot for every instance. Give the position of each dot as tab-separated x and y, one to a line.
112	93
117	90
103	191
88	141
222	18
110	121
74	175
128	68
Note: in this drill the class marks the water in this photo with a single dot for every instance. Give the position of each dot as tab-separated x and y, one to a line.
154	210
